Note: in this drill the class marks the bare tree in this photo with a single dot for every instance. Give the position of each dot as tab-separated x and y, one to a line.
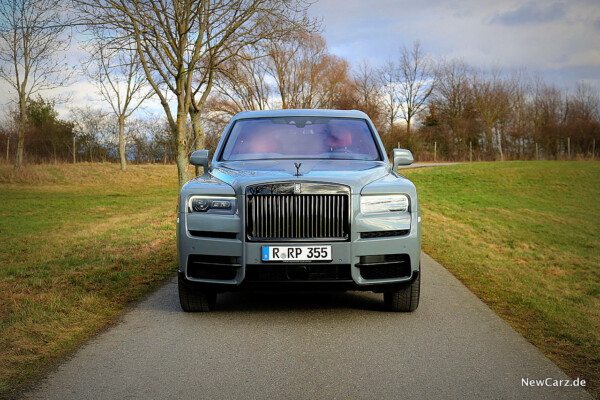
587	101
182	45
8	130
335	82
389	78
452	100
242	84
549	110
416	82
305	77
297	63
367	91
281	66
583	125
32	36
122	83
519	119
491	97
231	28
91	129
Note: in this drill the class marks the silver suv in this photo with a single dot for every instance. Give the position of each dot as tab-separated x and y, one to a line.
299	199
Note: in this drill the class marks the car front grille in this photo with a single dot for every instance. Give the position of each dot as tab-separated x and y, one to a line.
275	212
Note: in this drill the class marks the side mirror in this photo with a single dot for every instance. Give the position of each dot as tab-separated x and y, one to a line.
402	157
200	158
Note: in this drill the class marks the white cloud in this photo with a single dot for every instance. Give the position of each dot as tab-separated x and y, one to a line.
536	35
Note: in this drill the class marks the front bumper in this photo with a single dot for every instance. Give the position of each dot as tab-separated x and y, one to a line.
228	241
216	287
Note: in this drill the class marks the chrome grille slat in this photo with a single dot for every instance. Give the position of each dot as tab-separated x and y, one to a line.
339	219
314	217
297	213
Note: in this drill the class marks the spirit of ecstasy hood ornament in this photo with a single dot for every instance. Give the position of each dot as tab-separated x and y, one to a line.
298	165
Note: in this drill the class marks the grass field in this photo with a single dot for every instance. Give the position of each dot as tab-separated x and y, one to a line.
78	243
524	237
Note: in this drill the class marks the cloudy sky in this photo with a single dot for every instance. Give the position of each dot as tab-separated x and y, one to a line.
558	39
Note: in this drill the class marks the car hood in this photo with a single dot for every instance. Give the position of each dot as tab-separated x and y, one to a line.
353	173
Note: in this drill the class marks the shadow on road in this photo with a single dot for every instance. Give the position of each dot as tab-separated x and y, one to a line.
304	301
266	301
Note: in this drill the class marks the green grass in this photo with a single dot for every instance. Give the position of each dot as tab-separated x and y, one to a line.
80	243
77	245
524	237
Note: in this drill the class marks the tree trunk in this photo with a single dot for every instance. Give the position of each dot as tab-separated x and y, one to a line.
122	143
499	138
181	153
21	132
199	138
489	141
408	121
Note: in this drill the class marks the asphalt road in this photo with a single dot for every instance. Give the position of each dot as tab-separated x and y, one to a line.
308	346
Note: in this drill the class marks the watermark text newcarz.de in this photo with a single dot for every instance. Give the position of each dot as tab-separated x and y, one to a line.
578	382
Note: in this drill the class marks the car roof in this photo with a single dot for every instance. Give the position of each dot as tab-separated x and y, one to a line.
302	113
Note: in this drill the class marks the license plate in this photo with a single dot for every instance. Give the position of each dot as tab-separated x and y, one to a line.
296	253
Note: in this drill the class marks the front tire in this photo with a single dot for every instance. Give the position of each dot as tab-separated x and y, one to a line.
193	300
405	299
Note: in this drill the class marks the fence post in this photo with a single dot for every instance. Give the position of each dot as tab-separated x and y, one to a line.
74	152
7	147
537	155
593	149
434	151
568	148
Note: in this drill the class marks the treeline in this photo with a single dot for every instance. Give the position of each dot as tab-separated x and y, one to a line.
48	137
87	135
489	115
439	109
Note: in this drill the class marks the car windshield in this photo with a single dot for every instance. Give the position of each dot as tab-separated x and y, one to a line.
300	137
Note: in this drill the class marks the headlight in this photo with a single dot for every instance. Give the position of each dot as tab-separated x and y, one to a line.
381	204
211	204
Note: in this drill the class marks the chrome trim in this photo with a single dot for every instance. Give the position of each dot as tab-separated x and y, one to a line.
320	213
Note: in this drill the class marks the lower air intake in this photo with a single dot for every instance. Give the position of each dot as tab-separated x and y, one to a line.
386	266
221	268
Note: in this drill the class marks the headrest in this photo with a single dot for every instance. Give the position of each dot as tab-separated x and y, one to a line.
340	139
